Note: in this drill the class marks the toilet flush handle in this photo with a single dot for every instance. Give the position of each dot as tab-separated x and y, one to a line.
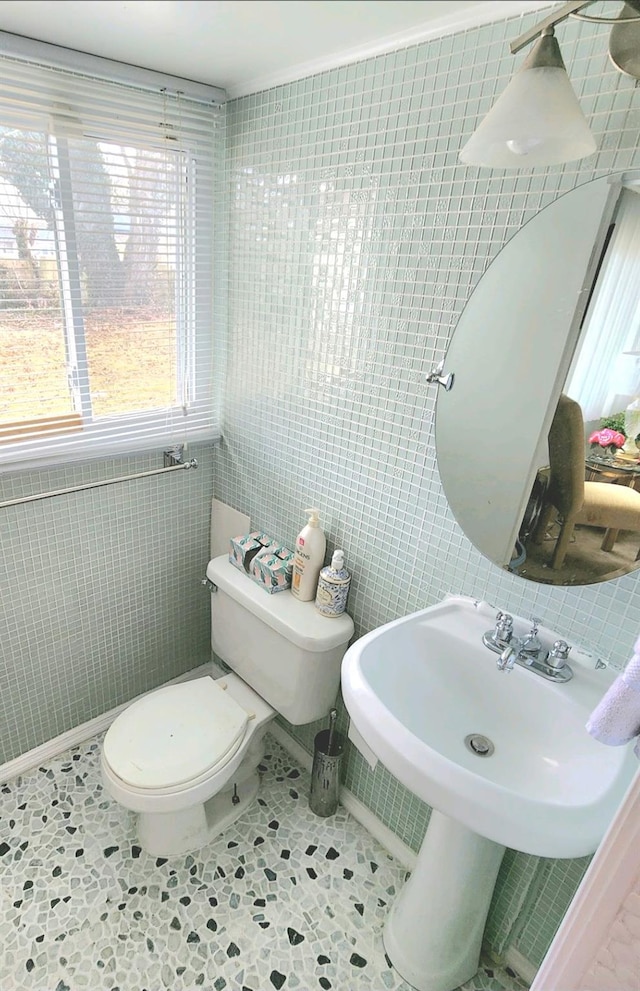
209	584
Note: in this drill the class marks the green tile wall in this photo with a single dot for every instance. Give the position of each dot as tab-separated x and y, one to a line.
355	240
100	595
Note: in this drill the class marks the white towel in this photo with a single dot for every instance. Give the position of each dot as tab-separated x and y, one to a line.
616	718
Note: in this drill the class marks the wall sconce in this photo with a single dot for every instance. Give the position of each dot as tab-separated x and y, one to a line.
537	120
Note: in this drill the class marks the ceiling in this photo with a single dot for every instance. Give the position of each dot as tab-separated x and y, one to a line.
245	45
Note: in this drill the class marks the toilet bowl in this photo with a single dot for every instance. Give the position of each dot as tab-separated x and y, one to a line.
184	758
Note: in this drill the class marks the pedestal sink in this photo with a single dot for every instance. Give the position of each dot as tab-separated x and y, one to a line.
503	758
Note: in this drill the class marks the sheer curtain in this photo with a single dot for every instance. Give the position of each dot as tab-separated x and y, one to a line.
605	375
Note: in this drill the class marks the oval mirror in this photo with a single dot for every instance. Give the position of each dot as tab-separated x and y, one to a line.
536	441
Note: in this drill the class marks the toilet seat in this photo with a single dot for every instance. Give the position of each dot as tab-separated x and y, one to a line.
175	734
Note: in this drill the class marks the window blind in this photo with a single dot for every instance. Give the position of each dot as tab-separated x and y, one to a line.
106	264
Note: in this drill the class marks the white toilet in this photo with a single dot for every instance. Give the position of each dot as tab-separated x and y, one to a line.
185	757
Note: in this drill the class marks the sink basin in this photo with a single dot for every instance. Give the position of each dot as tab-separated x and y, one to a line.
418	687
422	692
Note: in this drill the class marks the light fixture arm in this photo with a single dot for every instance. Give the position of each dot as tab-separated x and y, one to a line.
560	14
622	18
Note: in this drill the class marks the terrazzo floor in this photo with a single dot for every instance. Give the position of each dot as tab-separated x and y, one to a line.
284	899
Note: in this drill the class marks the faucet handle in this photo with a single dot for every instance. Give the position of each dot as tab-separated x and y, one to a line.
558	654
504	626
531	643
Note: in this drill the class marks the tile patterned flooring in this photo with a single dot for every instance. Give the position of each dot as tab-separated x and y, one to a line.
284	899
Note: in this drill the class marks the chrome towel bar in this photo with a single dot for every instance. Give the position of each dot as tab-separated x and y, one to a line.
94	485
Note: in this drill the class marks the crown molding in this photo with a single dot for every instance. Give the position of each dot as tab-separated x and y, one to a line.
452	23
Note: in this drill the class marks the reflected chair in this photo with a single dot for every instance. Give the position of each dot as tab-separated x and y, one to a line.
599	504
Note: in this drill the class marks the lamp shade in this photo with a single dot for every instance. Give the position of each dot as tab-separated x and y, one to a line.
536	121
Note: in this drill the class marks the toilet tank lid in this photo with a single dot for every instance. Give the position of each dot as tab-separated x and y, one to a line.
299	622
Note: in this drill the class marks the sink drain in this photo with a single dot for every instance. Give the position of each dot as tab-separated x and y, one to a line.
479	745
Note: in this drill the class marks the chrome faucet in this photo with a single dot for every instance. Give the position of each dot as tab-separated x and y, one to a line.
527	651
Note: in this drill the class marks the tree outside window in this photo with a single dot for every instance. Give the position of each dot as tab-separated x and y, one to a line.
91	236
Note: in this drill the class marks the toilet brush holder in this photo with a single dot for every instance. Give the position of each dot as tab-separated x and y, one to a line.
325	773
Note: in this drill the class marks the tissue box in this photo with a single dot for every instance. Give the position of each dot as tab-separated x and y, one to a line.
271	568
244	548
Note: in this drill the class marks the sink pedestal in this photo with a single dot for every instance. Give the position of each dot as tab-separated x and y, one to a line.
434	932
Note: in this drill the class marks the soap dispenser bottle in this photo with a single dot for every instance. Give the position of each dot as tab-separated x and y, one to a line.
333	587
308	558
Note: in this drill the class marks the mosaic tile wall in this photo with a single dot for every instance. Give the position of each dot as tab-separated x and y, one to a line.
355	240
100	595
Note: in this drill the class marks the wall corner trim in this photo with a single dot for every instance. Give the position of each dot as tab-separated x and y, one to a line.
388	839
608	879
79	734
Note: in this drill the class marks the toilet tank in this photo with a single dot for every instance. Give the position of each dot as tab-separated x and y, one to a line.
283	648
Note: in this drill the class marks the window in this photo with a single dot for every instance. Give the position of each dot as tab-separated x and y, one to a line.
605	374
106	264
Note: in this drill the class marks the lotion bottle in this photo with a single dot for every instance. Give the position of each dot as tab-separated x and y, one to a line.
308	558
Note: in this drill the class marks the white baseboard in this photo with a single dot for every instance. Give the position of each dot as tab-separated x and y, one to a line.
523	967
385	837
79	734
86	731
402	853
295	749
